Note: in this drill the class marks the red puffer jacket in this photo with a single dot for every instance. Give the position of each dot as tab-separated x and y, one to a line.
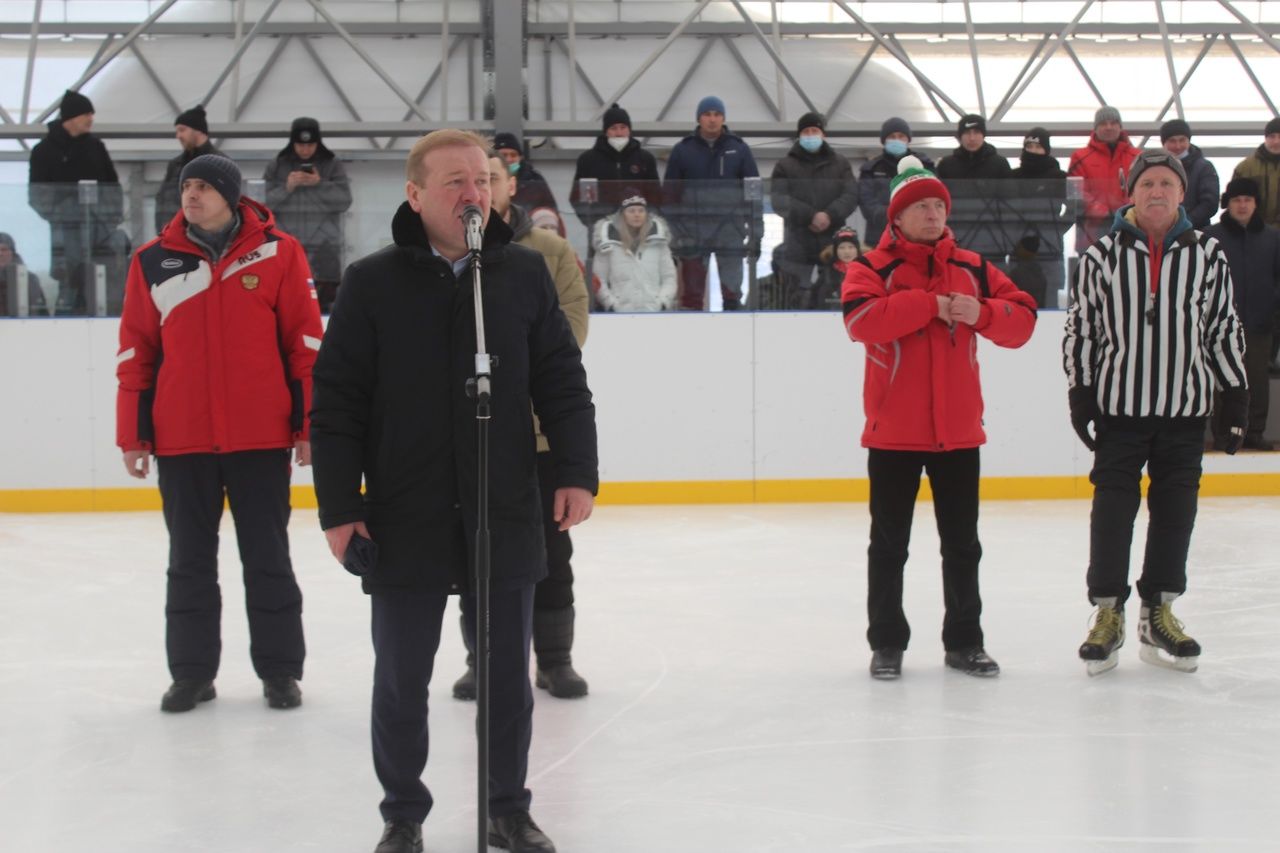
217	359
921	389
1105	174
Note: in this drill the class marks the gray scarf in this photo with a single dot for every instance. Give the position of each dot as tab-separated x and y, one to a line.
215	243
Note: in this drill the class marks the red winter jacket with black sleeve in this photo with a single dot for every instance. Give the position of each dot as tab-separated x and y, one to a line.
217	358
921	389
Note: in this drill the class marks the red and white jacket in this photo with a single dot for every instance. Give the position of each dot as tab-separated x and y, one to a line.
217	358
921	389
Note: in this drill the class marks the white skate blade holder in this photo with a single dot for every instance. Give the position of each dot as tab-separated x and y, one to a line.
1098	667
1156	657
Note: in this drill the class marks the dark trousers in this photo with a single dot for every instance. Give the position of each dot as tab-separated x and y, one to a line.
406	634
1172	451
256	485
693	279
895	483
555	591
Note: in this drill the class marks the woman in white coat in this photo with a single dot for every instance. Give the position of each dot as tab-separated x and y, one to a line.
633	260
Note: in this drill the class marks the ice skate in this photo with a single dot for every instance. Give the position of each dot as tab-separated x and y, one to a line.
1164	643
1101	649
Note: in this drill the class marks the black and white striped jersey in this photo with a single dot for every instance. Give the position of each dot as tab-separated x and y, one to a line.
1153	350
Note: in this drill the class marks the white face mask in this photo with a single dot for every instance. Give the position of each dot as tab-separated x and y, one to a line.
619	142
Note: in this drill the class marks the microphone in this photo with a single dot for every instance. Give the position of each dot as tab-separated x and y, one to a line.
473	223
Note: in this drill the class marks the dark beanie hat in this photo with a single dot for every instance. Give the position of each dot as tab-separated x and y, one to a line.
1240	186
1038	135
1273	126
811	120
616	115
304	129
7	241
193	118
1174	127
74	104
507	140
1151	159
894	125
971	122
844	235
217	171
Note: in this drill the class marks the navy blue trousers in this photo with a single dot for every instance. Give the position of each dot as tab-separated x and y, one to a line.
256	485
406	635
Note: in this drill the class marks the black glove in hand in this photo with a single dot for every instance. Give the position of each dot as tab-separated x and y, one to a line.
1235	410
1084	411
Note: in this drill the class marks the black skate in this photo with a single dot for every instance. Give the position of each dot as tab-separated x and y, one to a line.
1101	649
1164	643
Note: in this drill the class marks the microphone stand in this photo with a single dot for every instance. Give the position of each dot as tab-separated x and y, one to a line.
478	389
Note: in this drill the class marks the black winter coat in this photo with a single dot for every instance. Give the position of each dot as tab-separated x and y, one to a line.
532	189
803	184
1203	187
1039	166
389	405
1253	255
169	196
58	163
873	191
619	172
983	164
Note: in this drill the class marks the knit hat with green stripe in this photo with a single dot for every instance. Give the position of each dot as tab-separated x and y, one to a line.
913	183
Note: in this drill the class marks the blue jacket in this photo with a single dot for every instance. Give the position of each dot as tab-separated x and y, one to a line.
1253	254
1201	201
704	199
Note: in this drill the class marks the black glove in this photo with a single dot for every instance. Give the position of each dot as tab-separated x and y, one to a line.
1084	410
1235	411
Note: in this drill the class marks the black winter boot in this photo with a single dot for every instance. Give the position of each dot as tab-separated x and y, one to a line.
282	691
552	642
184	693
465	687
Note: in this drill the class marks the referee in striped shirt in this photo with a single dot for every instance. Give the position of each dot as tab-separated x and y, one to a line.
1150	331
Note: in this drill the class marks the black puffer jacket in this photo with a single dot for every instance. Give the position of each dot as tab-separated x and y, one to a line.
619	172
390	405
1201	200
1253	254
803	184
964	165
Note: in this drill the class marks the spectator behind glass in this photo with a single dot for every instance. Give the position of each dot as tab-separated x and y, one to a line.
974	158
532	190
874	176
1253	253
633	260
191	129
814	191
1037	160
308	190
10	261
835	258
703	192
1263	166
82	231
1202	178
1104	164
619	164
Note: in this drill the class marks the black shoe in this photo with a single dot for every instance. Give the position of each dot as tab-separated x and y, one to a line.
400	836
184	693
517	832
553	646
973	661
282	691
465	687
886	663
732	305
562	682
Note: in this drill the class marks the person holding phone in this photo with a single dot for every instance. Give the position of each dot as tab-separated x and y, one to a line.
308	189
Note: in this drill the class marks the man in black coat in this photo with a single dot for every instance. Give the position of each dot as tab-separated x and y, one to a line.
813	189
620	166
974	158
1253	254
191	129
532	189
82	223
1202	178
390	406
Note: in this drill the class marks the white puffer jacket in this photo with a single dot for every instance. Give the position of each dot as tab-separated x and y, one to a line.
643	280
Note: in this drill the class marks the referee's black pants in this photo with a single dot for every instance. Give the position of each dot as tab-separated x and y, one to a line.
895	483
256	485
1172	450
406	634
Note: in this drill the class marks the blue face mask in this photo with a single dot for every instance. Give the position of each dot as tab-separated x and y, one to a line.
895	147
810	143
512	168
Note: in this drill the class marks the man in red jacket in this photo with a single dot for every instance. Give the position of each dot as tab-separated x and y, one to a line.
1104	165
919	303
219	332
